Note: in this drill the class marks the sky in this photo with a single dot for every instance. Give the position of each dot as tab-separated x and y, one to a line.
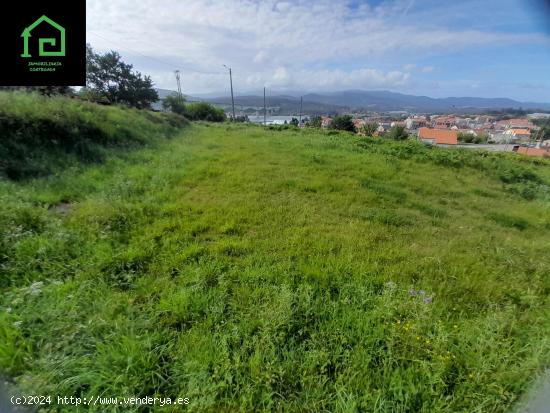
437	48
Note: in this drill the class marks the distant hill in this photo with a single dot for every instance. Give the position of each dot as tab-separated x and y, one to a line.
386	101
349	100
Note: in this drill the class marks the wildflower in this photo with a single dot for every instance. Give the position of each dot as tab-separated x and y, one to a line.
428	300
422	292
35	288
390	285
412	292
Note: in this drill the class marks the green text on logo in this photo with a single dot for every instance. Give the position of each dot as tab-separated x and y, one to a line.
41	42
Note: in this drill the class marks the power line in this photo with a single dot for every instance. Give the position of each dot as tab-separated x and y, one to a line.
171	65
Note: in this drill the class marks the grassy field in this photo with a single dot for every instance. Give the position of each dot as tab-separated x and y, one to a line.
280	270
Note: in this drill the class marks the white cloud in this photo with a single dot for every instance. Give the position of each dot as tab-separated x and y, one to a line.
261	57
284	44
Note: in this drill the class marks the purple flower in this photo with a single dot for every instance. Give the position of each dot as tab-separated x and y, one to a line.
412	292
428	300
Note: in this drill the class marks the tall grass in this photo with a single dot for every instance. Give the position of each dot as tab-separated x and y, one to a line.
252	269
40	135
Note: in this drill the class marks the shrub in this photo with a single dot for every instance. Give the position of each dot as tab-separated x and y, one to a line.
369	129
204	111
343	122
466	137
175	104
314	122
397	133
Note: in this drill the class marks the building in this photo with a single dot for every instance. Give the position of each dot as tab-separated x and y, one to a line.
438	136
539	116
519	123
538	152
443	122
326	121
416	122
518	134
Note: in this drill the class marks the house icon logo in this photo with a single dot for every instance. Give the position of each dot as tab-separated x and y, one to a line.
27	34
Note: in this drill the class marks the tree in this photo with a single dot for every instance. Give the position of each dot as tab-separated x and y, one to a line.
465	137
343	122
294	122
315	122
369	128
109	80
397	133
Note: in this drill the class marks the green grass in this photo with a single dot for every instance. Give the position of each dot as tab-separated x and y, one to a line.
278	270
41	135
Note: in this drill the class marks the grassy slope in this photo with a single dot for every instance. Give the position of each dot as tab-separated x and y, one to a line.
256	271
40	135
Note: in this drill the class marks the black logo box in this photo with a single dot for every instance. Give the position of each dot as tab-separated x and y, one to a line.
68	70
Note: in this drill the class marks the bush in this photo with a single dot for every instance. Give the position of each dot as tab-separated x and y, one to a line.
369	129
466	137
397	133
204	111
314	122
175	104
343	122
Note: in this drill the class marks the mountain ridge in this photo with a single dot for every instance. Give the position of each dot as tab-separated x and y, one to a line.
374	100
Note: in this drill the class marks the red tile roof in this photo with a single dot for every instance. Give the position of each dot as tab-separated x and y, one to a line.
439	136
521	132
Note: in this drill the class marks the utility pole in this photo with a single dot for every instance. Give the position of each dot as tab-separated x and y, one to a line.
301	103
265	110
180	96
231	84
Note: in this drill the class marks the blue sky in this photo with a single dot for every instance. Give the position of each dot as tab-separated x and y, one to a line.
439	48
